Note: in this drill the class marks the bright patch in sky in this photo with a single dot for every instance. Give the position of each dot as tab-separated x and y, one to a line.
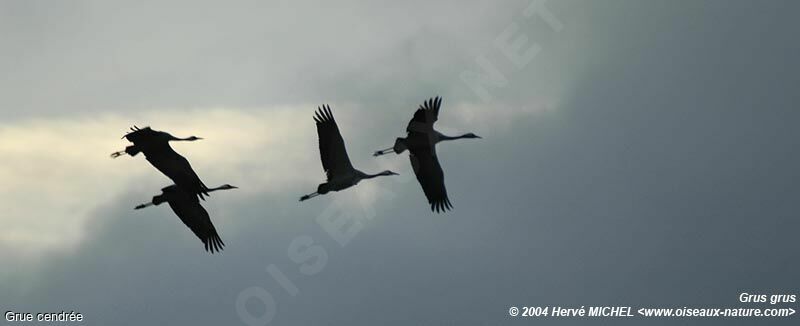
56	172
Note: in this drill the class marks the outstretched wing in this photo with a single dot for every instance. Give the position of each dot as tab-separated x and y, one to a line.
189	210
331	145
426	115
178	169
431	178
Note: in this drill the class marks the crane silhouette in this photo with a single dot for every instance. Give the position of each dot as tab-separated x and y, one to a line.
421	143
187	207
339	171
156	149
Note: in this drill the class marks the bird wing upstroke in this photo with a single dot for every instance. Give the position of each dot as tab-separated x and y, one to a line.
331	145
425	116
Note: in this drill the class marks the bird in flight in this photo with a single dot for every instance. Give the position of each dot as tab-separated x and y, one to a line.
421	143
339	171
188	208
156	149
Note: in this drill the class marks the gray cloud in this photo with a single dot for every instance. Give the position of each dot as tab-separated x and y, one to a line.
95	56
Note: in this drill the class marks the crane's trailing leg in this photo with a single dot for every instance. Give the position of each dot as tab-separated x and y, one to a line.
399	147
383	151
130	150
143	205
309	196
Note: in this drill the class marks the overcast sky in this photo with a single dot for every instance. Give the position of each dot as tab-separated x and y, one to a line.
635	153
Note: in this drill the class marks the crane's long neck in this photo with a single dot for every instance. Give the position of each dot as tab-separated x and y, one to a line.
184	139
445	137
222	187
370	176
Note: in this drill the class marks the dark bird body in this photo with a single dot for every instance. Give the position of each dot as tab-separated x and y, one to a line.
420	141
187	207
156	149
339	171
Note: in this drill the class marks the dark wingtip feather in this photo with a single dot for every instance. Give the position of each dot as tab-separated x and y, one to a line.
441	206
317	115
216	244
220	244
328	112
323	114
